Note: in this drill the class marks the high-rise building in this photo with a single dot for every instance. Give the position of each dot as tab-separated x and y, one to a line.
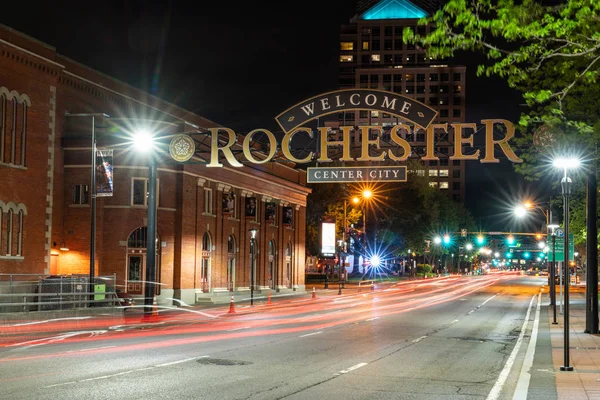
373	55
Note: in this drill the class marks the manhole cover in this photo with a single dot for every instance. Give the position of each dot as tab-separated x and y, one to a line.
220	361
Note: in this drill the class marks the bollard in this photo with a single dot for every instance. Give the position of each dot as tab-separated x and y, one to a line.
314	295
372	286
154	307
269	298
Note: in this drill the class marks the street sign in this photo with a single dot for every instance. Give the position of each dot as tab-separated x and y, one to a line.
560	247
463	232
560	232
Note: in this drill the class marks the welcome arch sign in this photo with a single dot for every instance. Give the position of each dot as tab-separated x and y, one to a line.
417	116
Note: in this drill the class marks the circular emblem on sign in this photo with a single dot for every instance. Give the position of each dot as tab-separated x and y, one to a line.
545	137
182	147
560	232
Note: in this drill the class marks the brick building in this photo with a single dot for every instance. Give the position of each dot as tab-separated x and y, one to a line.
49	105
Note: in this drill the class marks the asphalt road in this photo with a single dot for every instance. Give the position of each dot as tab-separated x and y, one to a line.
453	338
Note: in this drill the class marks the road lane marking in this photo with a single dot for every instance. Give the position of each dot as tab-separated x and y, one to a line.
126	372
419	339
525	377
372	319
237	329
497	388
175	362
482	304
357	366
311	334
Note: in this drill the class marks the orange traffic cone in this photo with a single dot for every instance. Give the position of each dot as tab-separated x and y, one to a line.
154	307
269	298
314	296
231	306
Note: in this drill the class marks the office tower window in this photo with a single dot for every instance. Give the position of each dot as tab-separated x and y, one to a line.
375	57
346	58
388	58
433	77
398	44
456	173
375	31
456	76
456	113
444	113
420	77
388	31
443	185
444	77
387	44
346	45
375	45
365	45
455	185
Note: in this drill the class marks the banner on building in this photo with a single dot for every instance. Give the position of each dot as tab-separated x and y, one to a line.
288	216
250	207
270	212
104	173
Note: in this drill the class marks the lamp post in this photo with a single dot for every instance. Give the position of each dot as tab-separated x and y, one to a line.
144	142
93	199
252	262
566	183
553	275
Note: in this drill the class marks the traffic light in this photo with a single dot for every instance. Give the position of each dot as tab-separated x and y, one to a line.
446	239
510	240
480	239
526	254
508	254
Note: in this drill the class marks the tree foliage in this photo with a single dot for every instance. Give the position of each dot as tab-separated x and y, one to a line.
550	53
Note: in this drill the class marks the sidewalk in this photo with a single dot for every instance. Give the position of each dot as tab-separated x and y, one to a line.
584	381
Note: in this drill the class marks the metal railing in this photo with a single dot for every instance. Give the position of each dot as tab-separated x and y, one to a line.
35	292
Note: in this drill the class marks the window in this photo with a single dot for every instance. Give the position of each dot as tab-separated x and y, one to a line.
375	114
443	185
456	76
397	78
456	173
410	58
375	57
456	88
444	173
375	31
420	89
14	110
433	172
434	89
444	162
364	81
433	77
80	194
433	101
365	45
398	31
375	45
420	77
365	59
398	44
388	31
346	58
208	201
444	113
457	101
347	46
421	172
397	59
363	114
455	162
456	113
444	77
433	184
11	230
410	89
420	137
387	44
374	80
455	185
388	58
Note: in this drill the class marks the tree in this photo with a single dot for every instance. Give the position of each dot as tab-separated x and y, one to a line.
550	52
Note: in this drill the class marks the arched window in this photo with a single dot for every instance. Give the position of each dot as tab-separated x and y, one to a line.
138	238
205	268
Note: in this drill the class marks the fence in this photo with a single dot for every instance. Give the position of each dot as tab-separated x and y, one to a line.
34	292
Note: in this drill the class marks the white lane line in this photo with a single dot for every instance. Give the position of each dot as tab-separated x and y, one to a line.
127	372
497	388
419	339
372	319
525	377
453	322
311	334
238	329
174	362
482	304
357	366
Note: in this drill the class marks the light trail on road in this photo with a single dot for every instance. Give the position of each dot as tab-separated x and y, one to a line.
277	319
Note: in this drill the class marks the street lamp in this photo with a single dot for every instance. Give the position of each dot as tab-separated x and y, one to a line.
93	199
143	142
566	163
253	232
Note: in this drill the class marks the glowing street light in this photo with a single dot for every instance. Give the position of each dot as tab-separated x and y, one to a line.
143	141
520	211
437	240
469	246
566	163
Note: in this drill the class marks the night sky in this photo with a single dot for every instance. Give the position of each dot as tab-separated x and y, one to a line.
242	63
